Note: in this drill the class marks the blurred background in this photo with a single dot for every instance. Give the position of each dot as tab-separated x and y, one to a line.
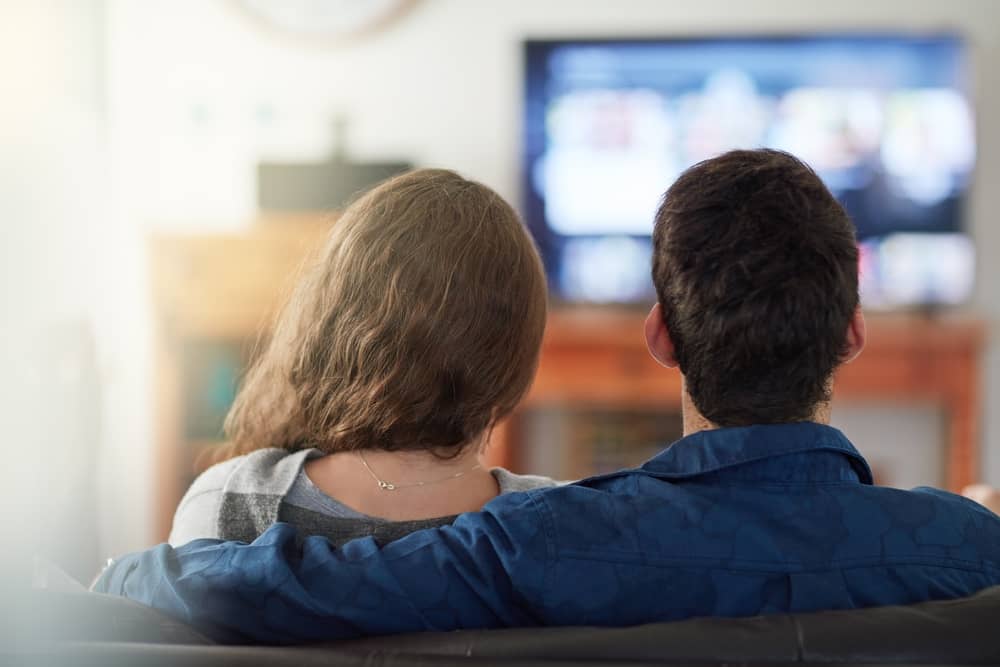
165	168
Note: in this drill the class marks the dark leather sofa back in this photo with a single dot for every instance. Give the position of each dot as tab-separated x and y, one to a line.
85	629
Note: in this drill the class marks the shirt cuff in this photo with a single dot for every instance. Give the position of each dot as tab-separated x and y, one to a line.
112	579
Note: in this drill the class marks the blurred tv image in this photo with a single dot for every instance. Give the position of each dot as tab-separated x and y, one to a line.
885	120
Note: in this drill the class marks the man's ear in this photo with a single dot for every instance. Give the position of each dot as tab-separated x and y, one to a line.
658	338
856	336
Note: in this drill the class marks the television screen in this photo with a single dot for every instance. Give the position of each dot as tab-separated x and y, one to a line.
886	121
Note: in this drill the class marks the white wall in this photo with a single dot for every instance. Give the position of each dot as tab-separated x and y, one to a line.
198	94
53	194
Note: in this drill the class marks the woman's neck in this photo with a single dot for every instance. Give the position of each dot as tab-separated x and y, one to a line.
404	485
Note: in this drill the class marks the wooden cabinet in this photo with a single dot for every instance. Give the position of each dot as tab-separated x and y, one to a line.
598	357
225	289
213	290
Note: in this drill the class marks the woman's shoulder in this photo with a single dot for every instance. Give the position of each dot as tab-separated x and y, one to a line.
261	465
263	471
512	482
266	471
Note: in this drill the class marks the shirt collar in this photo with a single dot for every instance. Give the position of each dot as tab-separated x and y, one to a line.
723	450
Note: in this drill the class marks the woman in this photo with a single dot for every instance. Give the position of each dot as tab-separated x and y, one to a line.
417	330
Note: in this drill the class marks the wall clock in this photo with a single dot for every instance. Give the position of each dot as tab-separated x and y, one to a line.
327	22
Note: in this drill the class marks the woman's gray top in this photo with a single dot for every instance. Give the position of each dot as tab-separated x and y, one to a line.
240	498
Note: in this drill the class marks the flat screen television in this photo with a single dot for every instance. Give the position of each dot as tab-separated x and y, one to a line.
886	121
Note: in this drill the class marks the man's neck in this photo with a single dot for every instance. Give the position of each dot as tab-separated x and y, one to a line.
694	421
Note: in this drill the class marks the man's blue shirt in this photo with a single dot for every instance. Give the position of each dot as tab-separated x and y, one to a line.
728	522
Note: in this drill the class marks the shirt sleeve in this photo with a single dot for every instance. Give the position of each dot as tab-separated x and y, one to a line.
487	570
197	515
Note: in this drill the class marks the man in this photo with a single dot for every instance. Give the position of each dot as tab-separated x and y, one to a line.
760	508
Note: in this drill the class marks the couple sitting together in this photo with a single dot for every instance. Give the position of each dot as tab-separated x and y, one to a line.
357	504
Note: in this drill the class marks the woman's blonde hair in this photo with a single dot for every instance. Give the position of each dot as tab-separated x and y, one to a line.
418	328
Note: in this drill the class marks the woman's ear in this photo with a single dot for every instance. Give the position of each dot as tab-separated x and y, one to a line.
658	338
856	336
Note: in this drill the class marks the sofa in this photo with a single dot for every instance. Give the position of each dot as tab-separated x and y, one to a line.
56	628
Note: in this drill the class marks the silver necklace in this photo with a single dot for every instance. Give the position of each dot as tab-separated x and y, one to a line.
389	486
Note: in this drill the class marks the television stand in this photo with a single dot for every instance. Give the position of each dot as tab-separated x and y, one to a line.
597	357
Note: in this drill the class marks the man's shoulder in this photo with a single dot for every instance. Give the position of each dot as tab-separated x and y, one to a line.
954	514
931	508
793	525
953	501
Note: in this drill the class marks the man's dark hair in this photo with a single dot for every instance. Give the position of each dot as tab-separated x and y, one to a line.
756	267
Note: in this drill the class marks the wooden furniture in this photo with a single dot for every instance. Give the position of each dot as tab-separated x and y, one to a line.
213	288
227	287
598	357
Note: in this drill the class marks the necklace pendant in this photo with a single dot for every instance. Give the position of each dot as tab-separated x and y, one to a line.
386	486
